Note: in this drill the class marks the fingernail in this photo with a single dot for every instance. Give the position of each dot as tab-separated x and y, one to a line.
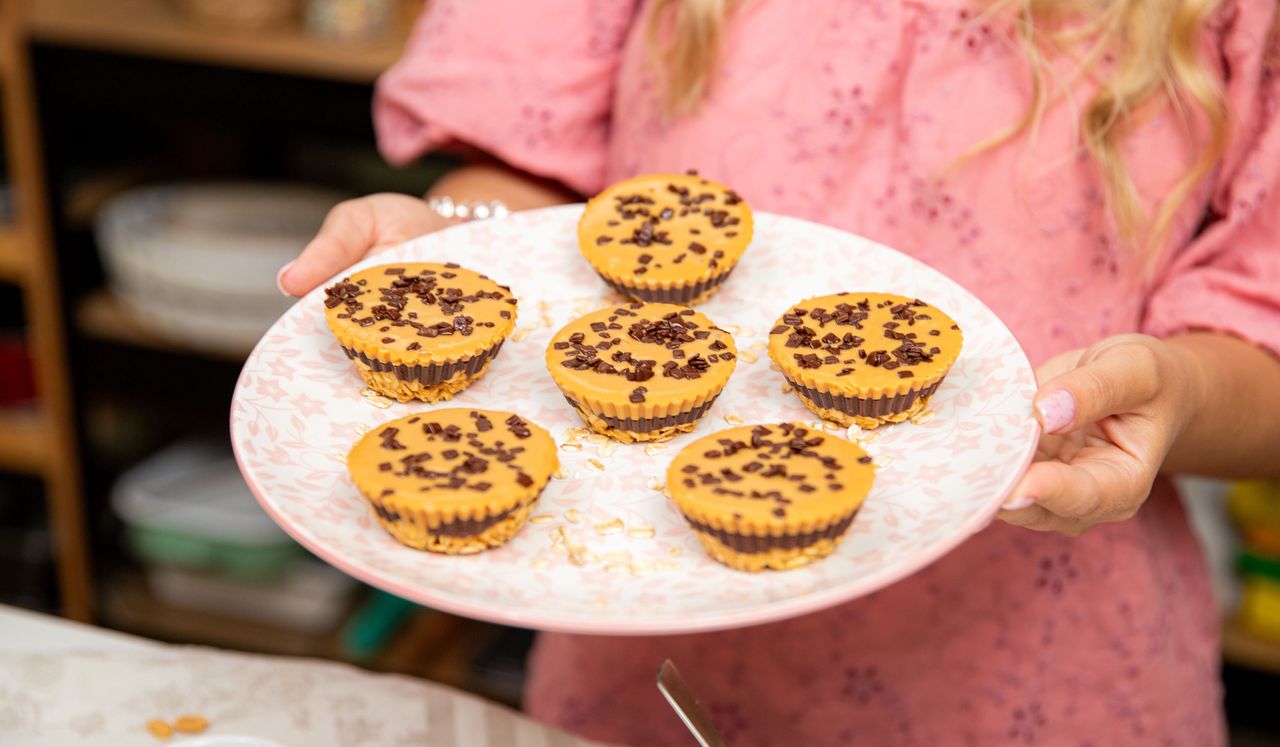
1025	501
280	276
1056	410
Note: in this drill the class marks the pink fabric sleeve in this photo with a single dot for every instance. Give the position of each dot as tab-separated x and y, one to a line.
1228	279
528	82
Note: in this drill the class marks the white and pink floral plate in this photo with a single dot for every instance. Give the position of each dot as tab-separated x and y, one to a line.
606	552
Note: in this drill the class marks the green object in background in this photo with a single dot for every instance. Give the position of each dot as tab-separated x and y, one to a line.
189	507
1251	564
164	546
375	623
1254	507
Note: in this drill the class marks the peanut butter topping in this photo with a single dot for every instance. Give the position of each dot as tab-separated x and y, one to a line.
641	353
664	228
764	478
419	310
458	462
870	341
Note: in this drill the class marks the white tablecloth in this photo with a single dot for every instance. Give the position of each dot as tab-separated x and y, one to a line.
64	685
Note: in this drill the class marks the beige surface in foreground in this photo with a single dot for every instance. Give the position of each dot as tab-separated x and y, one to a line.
66	684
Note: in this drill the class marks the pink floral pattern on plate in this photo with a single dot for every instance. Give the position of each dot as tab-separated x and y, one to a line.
298	408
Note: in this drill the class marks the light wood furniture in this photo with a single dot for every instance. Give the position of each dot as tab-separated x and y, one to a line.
41	442
1243	650
155	28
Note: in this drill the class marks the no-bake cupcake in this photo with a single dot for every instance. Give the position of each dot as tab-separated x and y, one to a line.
420	330
641	371
455	481
865	358
672	238
770	496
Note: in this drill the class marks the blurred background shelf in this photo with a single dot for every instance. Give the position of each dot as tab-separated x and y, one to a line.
131	607
102	315
155	28
462	653
1244	650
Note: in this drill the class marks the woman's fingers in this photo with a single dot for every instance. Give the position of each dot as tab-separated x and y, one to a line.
1106	431
345	236
1058	365
1037	518
1112	378
351	230
1099	485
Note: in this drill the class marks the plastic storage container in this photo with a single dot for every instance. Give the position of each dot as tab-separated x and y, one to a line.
308	597
189	507
197	262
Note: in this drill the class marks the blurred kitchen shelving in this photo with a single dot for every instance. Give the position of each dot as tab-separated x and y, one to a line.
22	439
39	440
13	260
155	28
429	644
101	314
174	99
104	316
1244	650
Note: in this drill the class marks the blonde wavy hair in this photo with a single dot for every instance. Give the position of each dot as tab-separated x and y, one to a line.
1153	53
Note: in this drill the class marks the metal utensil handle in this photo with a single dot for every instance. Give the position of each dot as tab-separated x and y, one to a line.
686	705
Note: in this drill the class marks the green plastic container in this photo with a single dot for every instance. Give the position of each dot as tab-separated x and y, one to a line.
189	507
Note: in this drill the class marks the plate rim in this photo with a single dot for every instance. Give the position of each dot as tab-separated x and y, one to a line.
640	625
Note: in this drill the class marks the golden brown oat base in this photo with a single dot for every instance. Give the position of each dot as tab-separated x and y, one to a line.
777	559
844	418
388	384
411	531
629	437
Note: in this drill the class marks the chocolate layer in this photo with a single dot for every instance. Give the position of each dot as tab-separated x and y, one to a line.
878	407
432	373
646	425
682	295
749	544
455	528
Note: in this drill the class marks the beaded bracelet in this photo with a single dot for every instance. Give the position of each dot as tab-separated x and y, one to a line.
467	210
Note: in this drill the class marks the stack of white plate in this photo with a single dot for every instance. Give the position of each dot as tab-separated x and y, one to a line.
197	262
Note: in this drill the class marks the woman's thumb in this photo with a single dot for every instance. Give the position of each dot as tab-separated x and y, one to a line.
345	237
1111	381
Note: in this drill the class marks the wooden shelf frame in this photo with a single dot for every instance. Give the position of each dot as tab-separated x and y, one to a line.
103	316
1244	650
24	437
13	258
155	28
42	441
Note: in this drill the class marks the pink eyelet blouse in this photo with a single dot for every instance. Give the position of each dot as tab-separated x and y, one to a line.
854	113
